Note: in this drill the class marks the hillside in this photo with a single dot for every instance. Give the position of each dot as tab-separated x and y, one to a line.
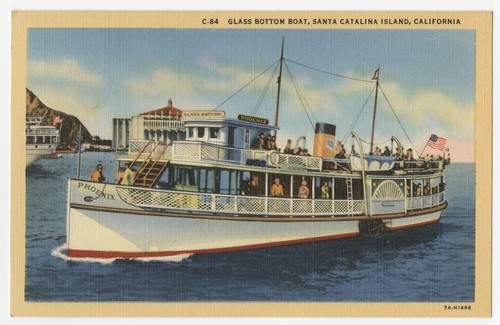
69	128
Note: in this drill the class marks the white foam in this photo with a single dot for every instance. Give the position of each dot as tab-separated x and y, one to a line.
60	252
174	258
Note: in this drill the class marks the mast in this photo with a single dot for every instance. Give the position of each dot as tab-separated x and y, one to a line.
375	77
279	84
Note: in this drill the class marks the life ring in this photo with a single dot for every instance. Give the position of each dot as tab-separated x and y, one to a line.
274	158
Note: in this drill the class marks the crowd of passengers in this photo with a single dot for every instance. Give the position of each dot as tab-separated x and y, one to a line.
269	143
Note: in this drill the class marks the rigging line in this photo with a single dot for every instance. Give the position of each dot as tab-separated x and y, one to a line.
397	118
299	91
344	138
377	144
300	97
330	73
261	99
246	85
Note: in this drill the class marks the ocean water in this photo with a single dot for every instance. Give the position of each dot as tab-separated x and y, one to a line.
429	264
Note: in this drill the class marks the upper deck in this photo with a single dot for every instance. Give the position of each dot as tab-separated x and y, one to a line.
208	153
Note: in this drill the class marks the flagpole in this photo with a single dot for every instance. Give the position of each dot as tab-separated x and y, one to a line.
423	149
377	72
79	144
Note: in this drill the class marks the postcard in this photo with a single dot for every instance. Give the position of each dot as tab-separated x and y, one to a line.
269	164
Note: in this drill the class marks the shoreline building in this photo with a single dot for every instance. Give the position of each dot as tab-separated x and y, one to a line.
121	133
162	124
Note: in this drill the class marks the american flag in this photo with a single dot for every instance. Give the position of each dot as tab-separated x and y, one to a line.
57	120
436	142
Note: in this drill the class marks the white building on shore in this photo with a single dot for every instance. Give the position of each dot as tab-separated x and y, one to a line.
121	133
163	124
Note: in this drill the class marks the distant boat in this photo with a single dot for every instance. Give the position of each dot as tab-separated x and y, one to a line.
54	155
219	190
69	151
41	140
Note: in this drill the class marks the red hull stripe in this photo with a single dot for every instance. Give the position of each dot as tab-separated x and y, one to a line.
414	225
77	253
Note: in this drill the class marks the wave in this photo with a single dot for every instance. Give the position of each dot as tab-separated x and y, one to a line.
60	252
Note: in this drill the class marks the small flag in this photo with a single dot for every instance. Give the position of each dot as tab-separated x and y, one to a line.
375	75
57	120
436	142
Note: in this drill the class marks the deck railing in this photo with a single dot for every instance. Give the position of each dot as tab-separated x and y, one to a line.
426	201
201	151
197	151
252	205
241	205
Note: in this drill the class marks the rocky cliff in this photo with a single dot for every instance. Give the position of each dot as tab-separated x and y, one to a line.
69	128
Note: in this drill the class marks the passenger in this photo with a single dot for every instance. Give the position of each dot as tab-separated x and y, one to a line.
119	175
325	191
419	190
252	187
128	176
409	154
277	188
272	143
377	151
288	149
268	142
303	190
343	153
298	151
387	151
97	174
397	154
262	141
338	150
427	189
306	153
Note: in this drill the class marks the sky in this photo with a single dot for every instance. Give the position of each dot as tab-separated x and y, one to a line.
426	79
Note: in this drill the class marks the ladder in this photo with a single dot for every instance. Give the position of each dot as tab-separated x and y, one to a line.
350	202
152	167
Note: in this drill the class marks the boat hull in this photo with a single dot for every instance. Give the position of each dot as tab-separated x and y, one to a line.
35	154
102	225
112	235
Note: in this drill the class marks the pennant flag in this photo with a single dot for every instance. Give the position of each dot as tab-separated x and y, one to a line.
436	142
375	75
57	120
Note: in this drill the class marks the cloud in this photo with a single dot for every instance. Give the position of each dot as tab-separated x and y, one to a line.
63	70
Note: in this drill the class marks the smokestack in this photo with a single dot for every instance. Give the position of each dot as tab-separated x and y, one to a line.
324	140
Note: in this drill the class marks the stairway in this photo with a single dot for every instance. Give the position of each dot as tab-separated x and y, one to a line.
152	166
149	173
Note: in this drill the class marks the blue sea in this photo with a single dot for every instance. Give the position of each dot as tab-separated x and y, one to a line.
430	264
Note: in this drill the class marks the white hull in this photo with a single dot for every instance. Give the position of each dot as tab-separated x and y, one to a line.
101	225
35	154
108	234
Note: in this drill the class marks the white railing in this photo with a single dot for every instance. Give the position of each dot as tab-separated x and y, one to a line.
309	162
197	151
236	204
426	201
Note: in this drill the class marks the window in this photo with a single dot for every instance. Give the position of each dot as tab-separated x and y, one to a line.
214	133
247	138
190	132
201	132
